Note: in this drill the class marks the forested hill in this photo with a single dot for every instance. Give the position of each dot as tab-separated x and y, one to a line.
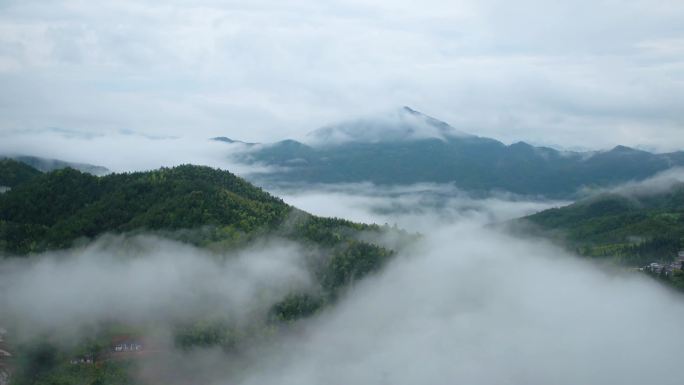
212	207
206	207
13	173
52	210
628	228
195	204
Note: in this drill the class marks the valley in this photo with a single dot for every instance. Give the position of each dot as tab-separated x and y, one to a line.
342	192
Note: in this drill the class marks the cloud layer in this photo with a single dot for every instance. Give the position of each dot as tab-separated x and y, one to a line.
576	74
124	151
469	304
477	307
415	207
660	183
145	279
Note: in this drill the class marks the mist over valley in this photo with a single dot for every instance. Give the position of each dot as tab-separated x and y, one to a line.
342	192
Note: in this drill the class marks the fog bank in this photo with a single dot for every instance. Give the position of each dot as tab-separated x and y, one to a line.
124	151
417	207
660	183
474	306
469	304
146	279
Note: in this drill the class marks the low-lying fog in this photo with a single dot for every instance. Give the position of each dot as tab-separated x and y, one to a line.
142	279
416	208
467	304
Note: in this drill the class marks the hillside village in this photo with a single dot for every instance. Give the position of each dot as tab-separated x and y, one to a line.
665	269
120	347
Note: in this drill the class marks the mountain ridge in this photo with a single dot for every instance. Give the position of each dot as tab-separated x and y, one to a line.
472	163
629	228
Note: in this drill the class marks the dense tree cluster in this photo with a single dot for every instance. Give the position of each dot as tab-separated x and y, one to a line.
13	173
54	209
633	230
42	363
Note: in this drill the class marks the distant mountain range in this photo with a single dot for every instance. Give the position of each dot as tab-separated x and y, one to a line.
409	147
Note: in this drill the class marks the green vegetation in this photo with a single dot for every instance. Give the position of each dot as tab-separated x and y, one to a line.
630	230
13	173
199	205
677	280
298	305
42	363
53	210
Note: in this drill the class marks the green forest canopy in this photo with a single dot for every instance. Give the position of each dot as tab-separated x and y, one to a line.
631	229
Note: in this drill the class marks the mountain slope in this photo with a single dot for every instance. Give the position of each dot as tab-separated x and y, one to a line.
54	209
629	229
13	173
207	207
200	205
428	150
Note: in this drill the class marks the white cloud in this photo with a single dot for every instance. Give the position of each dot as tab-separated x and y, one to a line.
588	74
125	151
660	183
414	207
145	279
473	306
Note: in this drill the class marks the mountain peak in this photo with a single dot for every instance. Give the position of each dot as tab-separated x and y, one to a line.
403	124
231	141
411	110
624	150
224	139
621	148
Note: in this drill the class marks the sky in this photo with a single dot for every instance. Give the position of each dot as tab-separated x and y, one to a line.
575	74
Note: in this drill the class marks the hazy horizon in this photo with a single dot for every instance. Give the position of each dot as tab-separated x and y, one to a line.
574	75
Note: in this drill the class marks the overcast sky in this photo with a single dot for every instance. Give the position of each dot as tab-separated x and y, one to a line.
575	74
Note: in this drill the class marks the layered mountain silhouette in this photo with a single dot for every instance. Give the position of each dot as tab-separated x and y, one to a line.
409	147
